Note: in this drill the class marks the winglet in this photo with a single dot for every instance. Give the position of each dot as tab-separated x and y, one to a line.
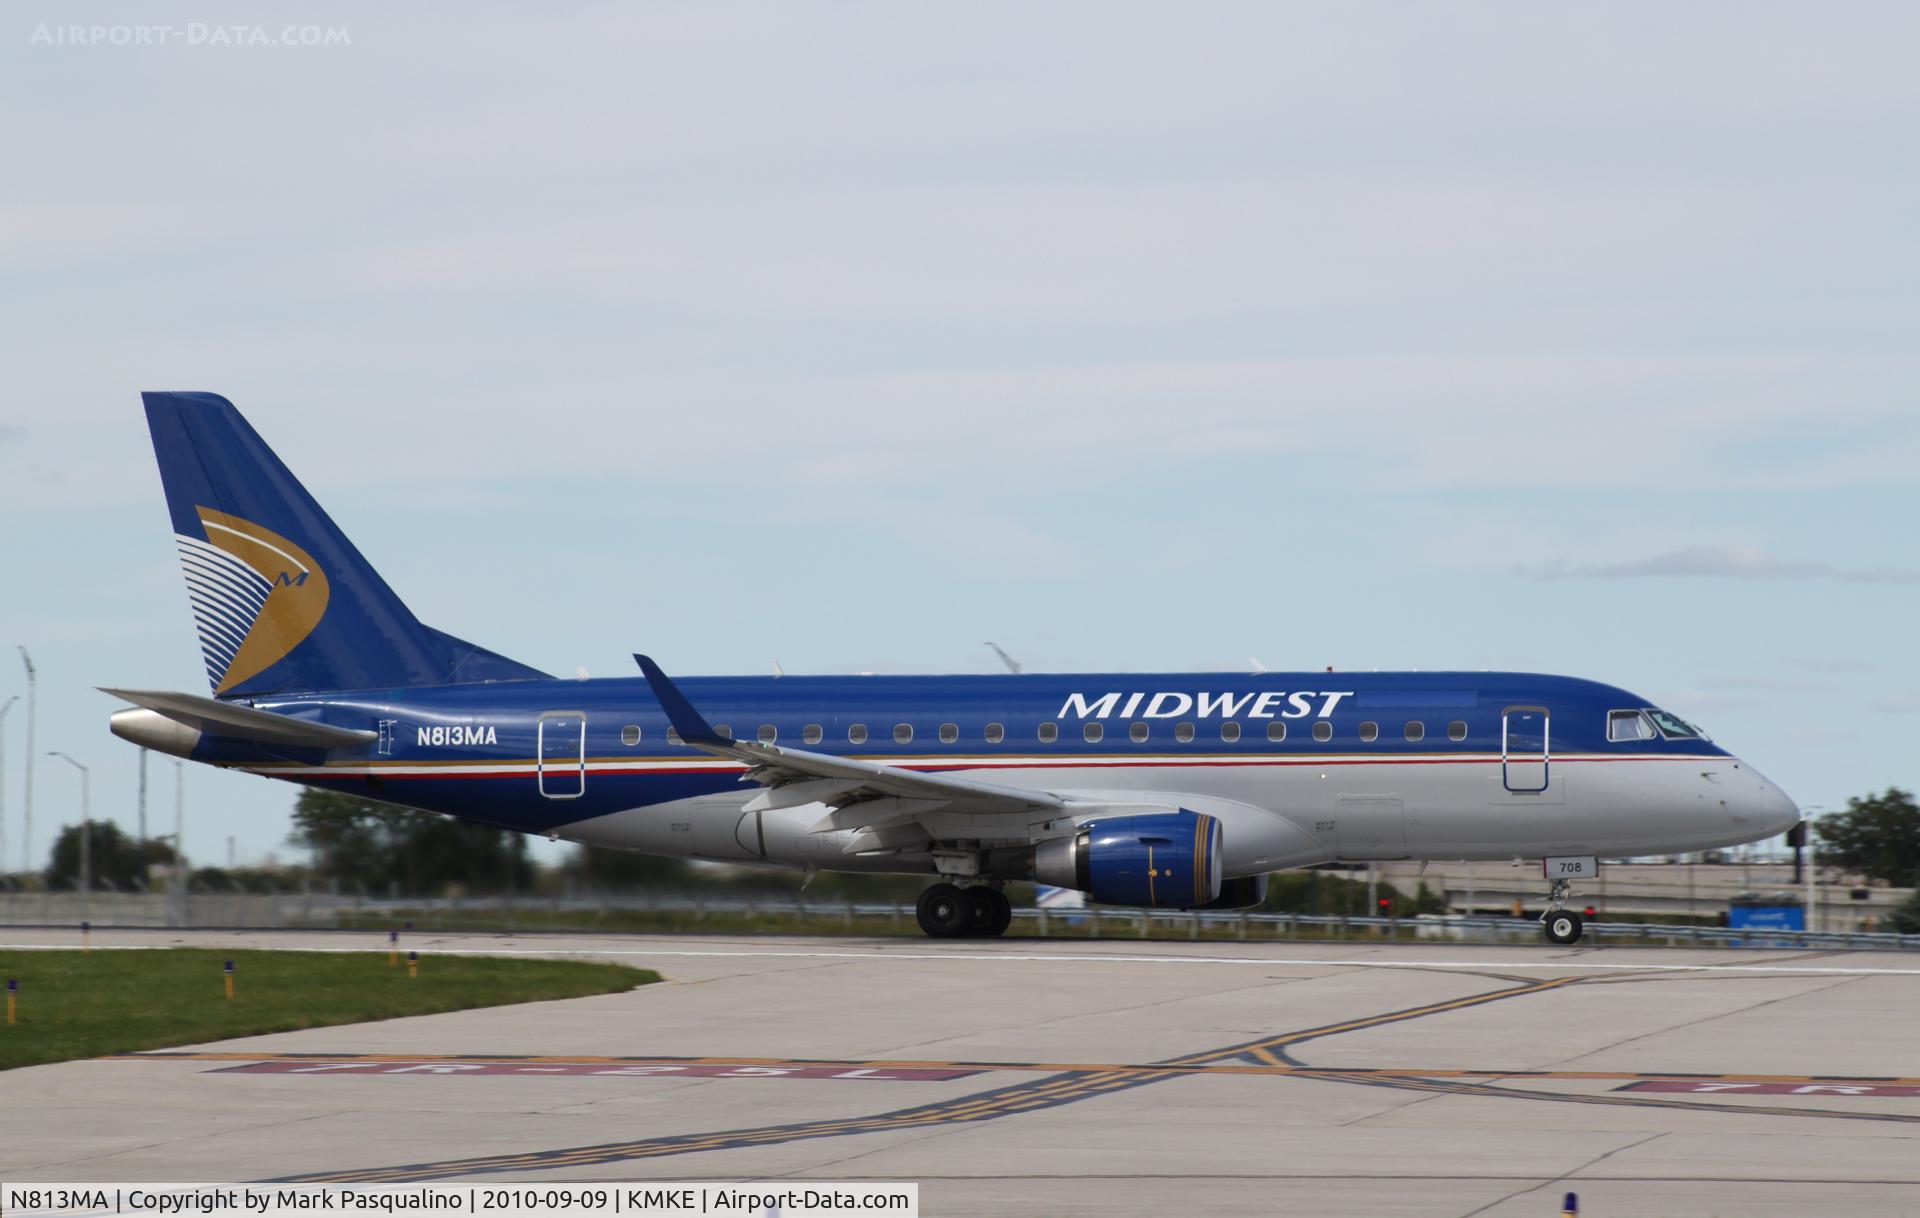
687	721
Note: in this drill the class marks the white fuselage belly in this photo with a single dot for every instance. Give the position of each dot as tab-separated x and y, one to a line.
1285	812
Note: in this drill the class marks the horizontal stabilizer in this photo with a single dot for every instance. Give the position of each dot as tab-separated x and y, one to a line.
242	722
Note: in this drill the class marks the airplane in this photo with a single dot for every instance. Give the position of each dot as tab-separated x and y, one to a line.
1167	791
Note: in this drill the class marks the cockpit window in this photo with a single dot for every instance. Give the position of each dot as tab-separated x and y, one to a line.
1673	727
1628	725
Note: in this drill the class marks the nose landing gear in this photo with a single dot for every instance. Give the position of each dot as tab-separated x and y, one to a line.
947	911
1561	925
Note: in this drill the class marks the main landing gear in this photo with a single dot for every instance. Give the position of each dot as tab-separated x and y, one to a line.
1561	925
947	911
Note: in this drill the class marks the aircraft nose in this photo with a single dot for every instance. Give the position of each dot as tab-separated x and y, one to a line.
1777	809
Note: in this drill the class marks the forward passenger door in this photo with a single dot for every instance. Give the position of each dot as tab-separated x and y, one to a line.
1525	742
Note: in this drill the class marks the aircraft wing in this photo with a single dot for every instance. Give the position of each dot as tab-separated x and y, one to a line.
798	776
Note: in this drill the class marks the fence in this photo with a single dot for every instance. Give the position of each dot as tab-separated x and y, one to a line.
641	914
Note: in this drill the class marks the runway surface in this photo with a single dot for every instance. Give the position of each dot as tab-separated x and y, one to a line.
1040	1077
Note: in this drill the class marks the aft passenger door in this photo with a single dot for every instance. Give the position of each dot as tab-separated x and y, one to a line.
562	742
1525	742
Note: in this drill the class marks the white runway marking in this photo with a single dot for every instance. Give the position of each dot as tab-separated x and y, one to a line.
1823	970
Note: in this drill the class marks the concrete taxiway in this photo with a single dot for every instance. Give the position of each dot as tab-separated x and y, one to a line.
1064	1078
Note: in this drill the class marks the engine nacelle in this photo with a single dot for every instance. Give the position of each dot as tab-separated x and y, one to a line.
1241	892
1160	860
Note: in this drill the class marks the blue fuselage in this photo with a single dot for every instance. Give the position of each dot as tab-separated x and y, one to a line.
1480	764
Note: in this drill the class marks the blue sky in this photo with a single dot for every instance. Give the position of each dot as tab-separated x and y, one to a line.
1567	338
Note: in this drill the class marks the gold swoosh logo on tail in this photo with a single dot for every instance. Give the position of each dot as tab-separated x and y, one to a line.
295	603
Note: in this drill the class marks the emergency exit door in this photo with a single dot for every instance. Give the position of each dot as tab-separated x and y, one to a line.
1524	748
562	739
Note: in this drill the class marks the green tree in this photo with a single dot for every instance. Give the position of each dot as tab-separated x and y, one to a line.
115	858
1905	920
1429	901
600	867
378	846
1878	836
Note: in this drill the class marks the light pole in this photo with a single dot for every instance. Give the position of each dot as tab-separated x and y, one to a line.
86	826
1813	867
26	823
3	780
180	863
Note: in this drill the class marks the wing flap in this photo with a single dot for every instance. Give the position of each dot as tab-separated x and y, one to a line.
806	791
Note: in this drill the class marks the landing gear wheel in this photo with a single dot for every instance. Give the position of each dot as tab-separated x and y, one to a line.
1003	917
1563	926
942	911
989	913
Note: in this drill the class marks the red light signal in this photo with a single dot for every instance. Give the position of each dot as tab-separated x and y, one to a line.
1386	903
1589	911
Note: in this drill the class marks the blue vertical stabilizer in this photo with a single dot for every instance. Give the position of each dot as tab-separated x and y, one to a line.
282	600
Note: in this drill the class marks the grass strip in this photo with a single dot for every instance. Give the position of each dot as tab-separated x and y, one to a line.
73	1004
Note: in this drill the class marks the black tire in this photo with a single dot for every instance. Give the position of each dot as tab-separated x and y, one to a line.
942	911
1003	914
1563	926
989	913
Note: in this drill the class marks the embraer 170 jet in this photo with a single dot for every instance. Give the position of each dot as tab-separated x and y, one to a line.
1171	791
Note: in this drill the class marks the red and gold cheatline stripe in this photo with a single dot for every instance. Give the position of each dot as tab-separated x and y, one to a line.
520	767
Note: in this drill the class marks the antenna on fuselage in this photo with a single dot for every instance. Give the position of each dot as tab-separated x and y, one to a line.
1013	665
777	670
1258	667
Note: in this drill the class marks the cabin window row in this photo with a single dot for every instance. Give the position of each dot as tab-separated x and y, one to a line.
1048	733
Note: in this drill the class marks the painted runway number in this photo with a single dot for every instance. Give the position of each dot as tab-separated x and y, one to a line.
1675	1087
599	1070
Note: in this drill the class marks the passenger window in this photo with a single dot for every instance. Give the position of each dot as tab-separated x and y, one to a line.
1138	733
768	733
1229	731
723	731
1416	730
995	733
1183	732
630	735
1369	731
1323	731
1093	732
949	732
857	733
673	735
903	733
1628	725
1457	730
1276	730
812	733
1048	733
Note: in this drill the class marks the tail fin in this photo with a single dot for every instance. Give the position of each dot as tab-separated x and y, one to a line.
282	600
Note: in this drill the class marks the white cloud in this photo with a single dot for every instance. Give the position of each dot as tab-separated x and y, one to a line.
1425	250
1907	703
1716	562
1838	665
